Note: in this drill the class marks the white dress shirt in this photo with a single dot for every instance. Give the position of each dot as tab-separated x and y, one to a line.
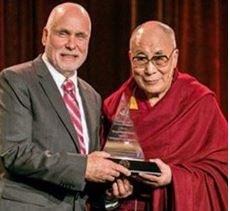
59	80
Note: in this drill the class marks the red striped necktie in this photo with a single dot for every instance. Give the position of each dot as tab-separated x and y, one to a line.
74	111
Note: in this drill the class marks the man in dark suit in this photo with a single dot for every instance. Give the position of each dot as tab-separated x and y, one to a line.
44	168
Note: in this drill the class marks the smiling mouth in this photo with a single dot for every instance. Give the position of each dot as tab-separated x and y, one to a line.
69	55
151	82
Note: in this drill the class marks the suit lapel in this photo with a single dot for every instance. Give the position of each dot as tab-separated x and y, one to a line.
89	112
50	89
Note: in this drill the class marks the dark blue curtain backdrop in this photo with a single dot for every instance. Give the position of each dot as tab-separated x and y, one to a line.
200	26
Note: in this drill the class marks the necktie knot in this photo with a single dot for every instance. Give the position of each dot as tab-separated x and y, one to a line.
68	86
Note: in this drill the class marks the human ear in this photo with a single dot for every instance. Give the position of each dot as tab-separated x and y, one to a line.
175	58
44	36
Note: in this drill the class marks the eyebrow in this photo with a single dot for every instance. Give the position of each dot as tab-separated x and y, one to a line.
67	31
140	53
157	53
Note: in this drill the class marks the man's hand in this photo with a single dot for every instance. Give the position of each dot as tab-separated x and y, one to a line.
100	169
121	188
158	181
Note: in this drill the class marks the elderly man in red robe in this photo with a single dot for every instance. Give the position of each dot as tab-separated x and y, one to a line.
179	126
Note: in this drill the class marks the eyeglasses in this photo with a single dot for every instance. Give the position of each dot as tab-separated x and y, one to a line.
159	61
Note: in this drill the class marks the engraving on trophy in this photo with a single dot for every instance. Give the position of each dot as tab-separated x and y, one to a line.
122	140
125	163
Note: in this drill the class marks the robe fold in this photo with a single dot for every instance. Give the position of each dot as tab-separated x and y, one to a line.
187	130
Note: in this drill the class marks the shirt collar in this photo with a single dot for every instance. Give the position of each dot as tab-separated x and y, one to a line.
57	76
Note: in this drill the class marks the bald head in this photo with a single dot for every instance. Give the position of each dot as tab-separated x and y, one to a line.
153	30
67	9
66	37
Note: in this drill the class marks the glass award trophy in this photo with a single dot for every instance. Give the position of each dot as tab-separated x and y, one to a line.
123	145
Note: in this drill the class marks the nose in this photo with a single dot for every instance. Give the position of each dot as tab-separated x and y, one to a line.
71	43
150	68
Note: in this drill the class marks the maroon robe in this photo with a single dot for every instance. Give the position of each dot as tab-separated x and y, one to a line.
186	130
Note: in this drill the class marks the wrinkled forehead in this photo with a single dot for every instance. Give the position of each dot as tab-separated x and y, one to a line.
151	40
72	20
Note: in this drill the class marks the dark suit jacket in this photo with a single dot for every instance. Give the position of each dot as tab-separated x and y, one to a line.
39	149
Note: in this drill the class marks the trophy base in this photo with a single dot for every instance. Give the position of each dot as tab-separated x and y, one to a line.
137	166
